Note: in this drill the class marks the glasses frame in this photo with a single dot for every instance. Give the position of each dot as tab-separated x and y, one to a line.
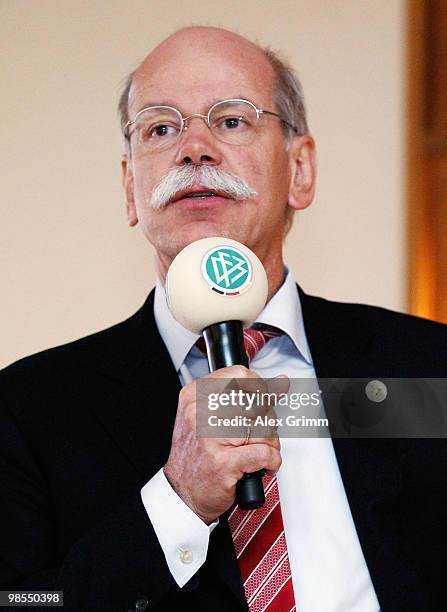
184	120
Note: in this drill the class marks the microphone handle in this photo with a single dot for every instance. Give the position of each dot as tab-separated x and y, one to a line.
225	347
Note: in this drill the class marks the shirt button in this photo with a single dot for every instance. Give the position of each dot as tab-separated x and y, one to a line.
186	556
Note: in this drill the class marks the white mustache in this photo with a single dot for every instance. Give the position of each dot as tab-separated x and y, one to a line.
208	177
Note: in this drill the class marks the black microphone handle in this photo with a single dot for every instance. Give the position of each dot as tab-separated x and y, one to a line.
225	347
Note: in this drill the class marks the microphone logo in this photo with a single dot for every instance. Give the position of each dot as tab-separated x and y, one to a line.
227	270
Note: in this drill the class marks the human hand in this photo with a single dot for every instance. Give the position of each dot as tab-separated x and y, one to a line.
204	470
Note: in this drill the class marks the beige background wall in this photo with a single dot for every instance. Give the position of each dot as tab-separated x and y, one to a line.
69	263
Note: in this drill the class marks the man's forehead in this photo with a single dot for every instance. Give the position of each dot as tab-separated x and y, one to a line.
203	58
203	40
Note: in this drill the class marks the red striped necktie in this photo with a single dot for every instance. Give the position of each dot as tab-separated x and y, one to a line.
261	551
258	535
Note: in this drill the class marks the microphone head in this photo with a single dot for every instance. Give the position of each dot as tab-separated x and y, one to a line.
213	280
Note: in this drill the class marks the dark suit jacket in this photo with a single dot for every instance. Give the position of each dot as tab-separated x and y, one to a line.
85	425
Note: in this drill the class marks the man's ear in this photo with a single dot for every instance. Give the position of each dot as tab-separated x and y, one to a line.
126	167
303	171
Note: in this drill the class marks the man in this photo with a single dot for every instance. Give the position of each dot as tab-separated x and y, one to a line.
106	492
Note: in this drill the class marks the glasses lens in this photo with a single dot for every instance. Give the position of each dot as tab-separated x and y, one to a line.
234	122
156	128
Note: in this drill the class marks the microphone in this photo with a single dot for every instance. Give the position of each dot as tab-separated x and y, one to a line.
216	287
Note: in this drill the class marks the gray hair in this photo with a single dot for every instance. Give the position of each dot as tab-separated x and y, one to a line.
289	97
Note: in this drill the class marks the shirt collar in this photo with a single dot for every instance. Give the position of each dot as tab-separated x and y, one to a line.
282	311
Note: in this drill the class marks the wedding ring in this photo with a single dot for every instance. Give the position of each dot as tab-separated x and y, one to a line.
247	437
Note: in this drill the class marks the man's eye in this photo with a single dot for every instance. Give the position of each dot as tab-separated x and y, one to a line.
232	123
161	130
157	131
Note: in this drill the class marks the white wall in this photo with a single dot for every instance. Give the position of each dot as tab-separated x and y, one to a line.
69	263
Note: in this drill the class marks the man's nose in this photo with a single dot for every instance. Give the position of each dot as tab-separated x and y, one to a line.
197	144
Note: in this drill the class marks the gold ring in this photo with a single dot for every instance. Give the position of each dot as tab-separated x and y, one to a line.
247	437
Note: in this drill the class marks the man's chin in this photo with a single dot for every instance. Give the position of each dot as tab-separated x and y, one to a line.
199	231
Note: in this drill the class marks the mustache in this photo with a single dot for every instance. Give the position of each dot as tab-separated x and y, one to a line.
208	177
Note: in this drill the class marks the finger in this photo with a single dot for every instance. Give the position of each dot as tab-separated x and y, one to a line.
273	391
232	397
271	439
234	371
187	395
226	380
245	439
254	457
279	384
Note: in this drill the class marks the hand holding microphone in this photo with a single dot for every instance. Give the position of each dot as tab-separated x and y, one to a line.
204	472
217	286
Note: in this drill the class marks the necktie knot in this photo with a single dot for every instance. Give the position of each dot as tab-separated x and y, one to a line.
255	338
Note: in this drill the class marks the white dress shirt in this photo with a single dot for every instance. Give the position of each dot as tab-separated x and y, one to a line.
329	572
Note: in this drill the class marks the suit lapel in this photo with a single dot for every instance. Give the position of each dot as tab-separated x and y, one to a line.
144	387
338	342
342	346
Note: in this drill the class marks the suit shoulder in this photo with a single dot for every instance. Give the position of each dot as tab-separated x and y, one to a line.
388	326
74	355
377	314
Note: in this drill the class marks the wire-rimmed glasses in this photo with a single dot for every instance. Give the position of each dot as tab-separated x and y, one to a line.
234	121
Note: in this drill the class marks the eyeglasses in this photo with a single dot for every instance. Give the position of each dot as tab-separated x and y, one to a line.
234	122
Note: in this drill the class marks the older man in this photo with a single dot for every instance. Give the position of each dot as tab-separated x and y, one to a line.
108	495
